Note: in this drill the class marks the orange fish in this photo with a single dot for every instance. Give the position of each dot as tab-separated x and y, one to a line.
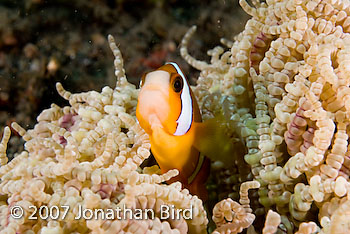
168	111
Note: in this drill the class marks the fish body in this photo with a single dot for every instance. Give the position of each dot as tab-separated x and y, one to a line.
168	111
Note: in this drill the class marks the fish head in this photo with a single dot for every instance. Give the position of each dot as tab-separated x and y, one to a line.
159	101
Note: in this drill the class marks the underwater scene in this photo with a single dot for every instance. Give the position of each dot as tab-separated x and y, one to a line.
153	116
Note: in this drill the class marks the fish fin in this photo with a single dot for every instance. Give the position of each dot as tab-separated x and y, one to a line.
197	186
211	140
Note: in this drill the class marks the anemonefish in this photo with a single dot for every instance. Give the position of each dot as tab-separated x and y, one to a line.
168	111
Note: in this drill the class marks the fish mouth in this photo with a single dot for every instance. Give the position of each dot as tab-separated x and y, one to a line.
153	105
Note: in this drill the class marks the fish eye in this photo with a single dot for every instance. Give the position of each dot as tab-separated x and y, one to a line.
178	84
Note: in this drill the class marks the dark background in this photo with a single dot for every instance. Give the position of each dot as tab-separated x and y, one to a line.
43	42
